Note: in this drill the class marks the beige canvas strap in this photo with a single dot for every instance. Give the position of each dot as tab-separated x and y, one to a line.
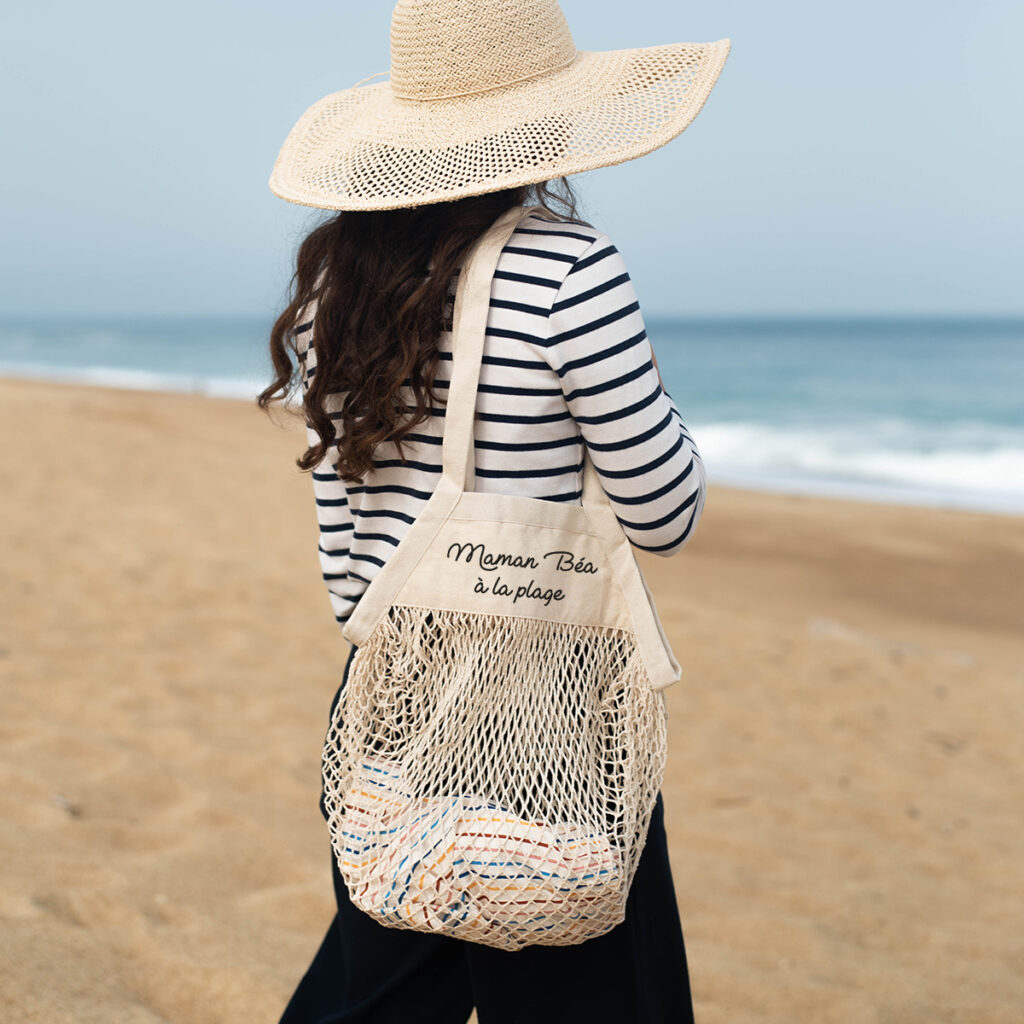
469	330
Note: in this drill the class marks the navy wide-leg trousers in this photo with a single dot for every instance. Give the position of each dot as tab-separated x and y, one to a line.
366	973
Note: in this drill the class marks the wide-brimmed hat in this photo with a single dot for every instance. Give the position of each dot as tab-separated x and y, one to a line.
487	95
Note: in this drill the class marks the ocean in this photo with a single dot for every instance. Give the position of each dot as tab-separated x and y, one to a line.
905	410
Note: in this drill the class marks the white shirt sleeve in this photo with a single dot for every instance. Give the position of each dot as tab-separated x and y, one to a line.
647	461
334	516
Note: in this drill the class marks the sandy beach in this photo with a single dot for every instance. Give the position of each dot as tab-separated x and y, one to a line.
846	771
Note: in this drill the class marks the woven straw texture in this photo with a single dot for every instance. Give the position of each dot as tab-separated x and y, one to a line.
485	95
493	779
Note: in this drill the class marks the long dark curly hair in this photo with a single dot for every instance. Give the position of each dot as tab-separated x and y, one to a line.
378	283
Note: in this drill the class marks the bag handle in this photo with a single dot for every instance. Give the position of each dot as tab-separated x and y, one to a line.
469	328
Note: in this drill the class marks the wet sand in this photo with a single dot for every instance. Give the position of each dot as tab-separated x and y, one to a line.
845	777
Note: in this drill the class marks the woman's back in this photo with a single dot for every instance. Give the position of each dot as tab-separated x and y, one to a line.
566	362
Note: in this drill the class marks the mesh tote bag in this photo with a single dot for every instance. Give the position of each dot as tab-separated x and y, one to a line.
493	761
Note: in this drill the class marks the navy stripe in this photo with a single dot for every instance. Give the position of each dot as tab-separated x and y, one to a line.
543	282
558	257
557	234
389	489
619	414
504	446
526	364
600	389
605	353
593	325
499	389
530	473
426	467
385	513
631	442
494	417
500	332
671	544
422	438
332	554
503	389
646	499
528	446
623	474
372	559
589	261
567	497
387	538
521	307
670	518
592	293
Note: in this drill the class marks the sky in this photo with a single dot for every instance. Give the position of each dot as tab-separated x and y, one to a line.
853	158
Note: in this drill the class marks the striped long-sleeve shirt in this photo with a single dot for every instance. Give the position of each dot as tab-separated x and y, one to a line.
566	362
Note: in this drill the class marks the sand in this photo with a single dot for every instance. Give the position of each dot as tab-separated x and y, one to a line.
846	770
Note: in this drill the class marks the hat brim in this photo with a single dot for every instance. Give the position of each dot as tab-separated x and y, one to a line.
366	149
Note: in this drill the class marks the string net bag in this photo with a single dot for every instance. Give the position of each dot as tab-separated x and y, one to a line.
493	778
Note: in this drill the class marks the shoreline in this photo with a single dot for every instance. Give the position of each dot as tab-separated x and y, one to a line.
757	482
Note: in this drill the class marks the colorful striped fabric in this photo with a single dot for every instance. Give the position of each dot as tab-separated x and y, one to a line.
566	362
464	866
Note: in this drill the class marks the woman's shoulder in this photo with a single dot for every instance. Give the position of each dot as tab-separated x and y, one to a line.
564	240
554	254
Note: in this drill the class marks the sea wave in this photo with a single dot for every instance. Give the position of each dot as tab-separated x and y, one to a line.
963	463
141	380
960	463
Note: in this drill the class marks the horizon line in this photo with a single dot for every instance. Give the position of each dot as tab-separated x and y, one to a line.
649	316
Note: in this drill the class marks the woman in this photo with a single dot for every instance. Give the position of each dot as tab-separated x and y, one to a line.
489	106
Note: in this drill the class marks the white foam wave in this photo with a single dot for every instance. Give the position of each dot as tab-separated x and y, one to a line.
968	464
141	380
963	464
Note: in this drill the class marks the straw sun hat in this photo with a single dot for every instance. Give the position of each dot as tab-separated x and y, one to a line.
487	95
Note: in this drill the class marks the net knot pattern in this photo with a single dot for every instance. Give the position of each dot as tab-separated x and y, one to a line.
492	777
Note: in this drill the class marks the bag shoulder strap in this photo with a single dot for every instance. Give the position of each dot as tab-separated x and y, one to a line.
469	329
